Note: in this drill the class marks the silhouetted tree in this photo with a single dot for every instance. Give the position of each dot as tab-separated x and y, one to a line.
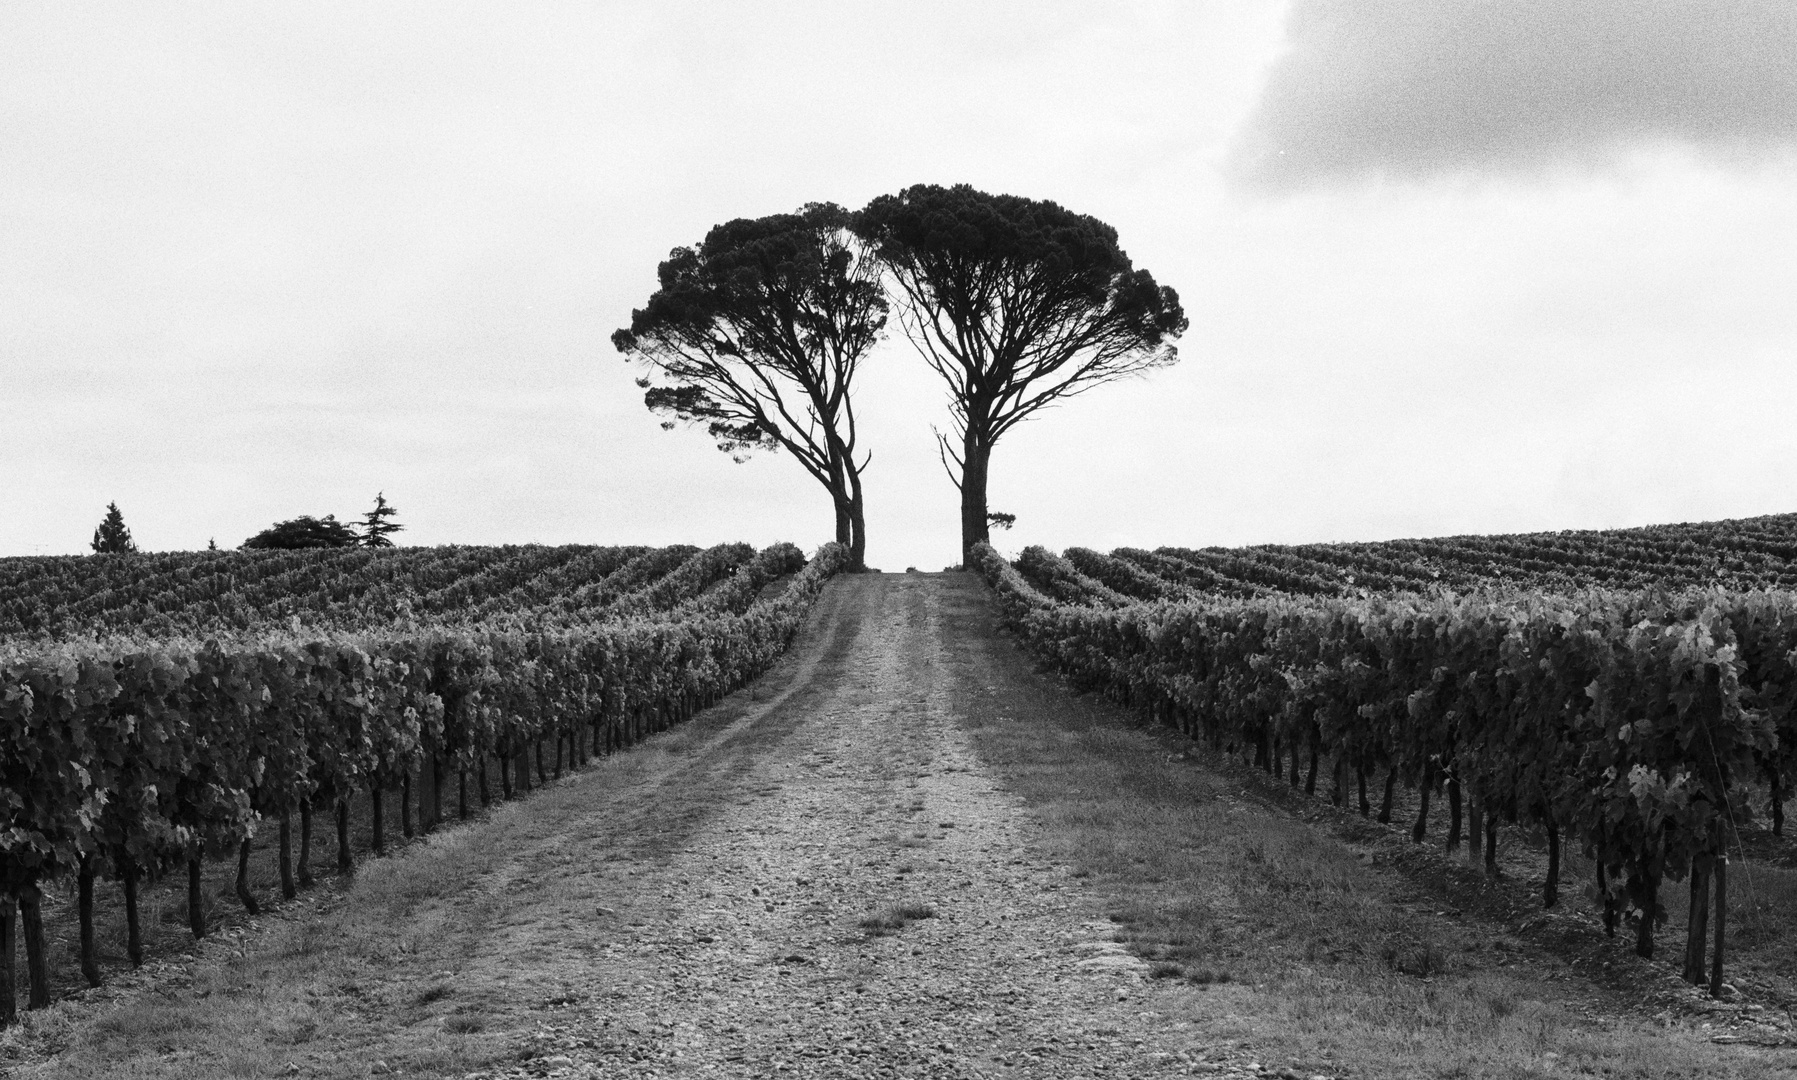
305	532
758	332
112	537
1016	303
375	526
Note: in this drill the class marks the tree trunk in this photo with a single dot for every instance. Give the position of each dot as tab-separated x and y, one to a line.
839	504
857	522
1366	806
84	905
1310	774
1421	828
1697	927
288	891
196	904
243	878
975	460
345	858
486	798
1338	787
1491	828
1550	893
134	935
542	773
1721	874
461	791
305	853
37	951
405	804
1296	764
1453	811
1391	785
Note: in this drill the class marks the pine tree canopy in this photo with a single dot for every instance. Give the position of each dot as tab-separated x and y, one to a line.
304	532
376	527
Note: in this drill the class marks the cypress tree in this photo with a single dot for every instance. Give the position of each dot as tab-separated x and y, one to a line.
112	537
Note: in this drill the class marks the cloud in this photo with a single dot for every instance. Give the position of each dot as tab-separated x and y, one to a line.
1420	88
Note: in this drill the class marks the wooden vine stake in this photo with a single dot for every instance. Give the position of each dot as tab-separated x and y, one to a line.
288	889
84	886
243	878
9	978
134	938
1721	921
304	870
346	861
196	911
37	958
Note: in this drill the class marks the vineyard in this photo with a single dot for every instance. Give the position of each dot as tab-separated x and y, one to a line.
1622	691
1747	553
208	593
156	707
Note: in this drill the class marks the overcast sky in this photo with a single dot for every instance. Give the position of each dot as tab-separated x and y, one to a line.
1487	266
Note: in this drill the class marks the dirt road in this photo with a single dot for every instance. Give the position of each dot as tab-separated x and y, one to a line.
727	894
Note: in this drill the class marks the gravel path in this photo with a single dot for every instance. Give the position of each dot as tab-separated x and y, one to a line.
742	950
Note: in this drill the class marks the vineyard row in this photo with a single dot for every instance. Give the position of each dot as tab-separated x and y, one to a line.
1629	723
117	761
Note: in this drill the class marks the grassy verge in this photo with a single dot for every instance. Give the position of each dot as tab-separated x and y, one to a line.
1276	934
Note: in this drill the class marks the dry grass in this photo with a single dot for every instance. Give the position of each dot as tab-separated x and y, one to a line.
894	917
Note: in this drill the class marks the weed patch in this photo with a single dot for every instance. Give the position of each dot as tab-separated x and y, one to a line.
894	917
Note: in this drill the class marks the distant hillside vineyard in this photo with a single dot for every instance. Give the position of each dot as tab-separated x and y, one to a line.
1746	553
201	593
